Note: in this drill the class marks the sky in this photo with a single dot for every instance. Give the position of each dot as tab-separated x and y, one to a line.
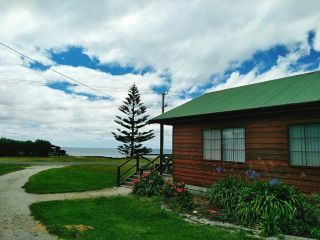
187	48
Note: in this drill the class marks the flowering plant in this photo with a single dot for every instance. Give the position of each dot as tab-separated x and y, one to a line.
148	185
177	196
252	174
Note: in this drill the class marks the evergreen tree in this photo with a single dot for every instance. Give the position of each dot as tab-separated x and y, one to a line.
131	134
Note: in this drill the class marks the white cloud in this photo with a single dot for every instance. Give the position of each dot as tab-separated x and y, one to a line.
190	40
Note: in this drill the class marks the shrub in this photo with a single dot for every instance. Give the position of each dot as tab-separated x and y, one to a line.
315	200
225	193
273	207
177	196
148	185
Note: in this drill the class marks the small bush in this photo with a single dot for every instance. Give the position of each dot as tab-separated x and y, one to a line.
273	207
269	205
225	193
315	200
177	196
148	185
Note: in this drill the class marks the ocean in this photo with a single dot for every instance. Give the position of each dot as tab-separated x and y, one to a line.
101	152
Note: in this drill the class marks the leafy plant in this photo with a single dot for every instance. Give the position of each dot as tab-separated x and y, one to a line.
148	185
269	205
315	200
177	196
225	193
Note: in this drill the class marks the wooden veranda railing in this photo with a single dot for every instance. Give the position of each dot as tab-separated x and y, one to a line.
140	163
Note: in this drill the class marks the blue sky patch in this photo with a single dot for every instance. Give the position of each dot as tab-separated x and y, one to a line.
262	60
75	56
66	88
310	61
62	86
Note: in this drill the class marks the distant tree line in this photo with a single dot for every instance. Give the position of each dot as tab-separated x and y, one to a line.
38	148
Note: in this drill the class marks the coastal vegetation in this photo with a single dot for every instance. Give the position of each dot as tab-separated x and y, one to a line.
38	148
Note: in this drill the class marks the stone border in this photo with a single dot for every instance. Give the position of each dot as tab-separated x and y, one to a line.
250	232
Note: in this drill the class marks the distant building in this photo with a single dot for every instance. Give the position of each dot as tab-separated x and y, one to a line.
57	151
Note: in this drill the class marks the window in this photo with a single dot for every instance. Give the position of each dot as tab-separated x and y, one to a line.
227	144
233	145
305	145
212	144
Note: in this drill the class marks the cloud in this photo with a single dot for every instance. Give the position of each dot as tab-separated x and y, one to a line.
189	42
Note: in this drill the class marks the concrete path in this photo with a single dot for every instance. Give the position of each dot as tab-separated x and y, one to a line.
15	220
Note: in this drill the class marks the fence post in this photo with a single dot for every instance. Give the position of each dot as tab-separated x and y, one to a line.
118	176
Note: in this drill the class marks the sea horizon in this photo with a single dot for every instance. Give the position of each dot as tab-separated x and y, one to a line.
101	152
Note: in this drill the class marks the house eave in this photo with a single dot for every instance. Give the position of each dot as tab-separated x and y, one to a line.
240	113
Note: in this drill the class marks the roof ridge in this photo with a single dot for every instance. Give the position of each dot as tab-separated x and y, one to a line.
266	81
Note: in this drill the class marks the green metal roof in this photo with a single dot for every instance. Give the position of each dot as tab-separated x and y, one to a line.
303	88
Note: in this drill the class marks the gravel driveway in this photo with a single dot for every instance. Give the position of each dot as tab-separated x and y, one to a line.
15	219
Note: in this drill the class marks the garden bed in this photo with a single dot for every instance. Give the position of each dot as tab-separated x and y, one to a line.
264	208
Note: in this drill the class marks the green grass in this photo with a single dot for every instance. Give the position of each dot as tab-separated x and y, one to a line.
125	218
72	179
62	159
6	168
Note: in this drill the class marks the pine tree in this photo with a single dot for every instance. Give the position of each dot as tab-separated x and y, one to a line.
131	134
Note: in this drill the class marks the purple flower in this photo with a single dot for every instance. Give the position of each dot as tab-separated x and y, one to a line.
273	182
252	174
220	169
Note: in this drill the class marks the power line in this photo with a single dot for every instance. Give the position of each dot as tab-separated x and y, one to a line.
53	70
16	81
38	84
63	108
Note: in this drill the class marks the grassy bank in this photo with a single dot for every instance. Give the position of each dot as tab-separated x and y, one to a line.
121	218
61	159
72	179
5	168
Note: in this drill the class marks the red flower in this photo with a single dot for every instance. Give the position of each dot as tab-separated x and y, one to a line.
179	190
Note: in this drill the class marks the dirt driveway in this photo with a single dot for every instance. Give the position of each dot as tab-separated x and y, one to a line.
15	219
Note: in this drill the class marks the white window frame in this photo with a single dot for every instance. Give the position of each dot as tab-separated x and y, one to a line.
304	144
213	151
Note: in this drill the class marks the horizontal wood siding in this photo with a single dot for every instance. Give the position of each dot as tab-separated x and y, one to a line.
267	151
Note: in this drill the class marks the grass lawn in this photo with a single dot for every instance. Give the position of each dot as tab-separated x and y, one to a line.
62	159
6	168
72	179
122	218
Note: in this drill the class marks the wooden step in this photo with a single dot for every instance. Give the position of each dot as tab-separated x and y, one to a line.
127	183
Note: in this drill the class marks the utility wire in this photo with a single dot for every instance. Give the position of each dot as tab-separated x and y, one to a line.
53	70
16	81
38	84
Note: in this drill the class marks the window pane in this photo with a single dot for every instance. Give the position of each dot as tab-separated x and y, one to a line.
216	134
296	158
207	134
212	144
296	131
305	145
227	133
234	144
206	154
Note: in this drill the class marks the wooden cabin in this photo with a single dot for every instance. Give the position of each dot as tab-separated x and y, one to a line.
271	127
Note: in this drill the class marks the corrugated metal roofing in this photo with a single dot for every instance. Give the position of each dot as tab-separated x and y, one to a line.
280	92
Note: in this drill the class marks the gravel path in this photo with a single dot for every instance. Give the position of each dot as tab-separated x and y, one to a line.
15	220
